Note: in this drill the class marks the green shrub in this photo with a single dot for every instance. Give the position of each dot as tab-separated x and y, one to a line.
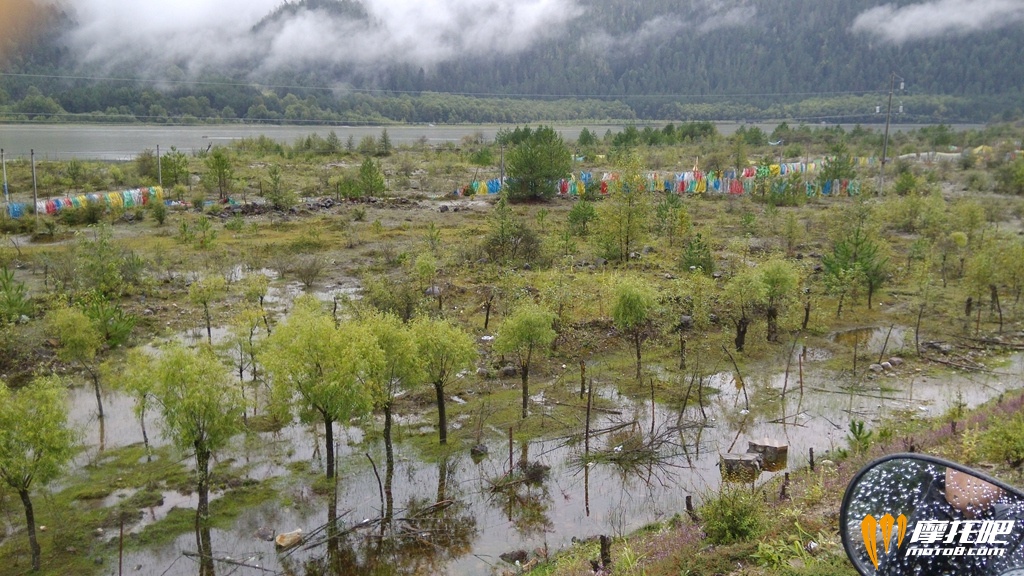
198	199
86	215
235	224
159	210
1003	441
697	255
14	299
734	515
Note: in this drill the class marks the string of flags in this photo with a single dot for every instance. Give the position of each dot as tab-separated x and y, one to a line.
125	199
736	182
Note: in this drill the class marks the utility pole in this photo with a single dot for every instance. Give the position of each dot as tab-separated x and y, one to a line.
885	140
3	160
35	189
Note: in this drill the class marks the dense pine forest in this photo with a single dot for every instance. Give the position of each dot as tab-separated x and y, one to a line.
805	60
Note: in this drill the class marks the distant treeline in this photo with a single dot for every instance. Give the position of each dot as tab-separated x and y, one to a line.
107	103
796	60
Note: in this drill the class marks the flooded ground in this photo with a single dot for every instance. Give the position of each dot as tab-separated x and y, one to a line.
573	502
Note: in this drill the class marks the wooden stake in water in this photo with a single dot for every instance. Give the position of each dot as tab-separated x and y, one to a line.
886	343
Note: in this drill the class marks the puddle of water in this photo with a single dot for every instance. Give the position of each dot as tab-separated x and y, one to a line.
872	339
573	502
280	297
119	426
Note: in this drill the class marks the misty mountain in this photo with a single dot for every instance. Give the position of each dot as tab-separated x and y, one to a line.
662	58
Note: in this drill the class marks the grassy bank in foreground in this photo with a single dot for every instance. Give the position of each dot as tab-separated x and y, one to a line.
790	527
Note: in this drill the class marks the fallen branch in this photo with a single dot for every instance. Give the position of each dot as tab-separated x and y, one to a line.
191	554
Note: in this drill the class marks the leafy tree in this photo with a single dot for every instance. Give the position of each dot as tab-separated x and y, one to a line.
858	253
371	179
80	342
510	239
586	138
632	311
317	367
838	164
981	277
1010	177
527	331
400	368
75	172
536	164
201	293
35	443
781	282
175	167
220	171
697	256
623	216
146	165
672	218
444	350
385	146
280	197
136	377
744	293
14	299
201	413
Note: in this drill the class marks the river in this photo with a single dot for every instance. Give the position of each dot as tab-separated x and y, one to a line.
124	142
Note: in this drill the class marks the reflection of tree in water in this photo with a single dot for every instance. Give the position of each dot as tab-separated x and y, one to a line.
523	496
421	538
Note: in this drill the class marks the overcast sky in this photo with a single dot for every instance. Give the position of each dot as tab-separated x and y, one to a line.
204	32
196	34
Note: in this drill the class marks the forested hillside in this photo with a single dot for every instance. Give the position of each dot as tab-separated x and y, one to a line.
810	60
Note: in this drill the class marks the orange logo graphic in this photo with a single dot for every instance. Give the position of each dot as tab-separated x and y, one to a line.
869	528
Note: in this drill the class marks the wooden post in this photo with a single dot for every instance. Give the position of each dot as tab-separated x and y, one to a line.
785	380
510	467
803	351
606	551
811	452
586	436
35	188
689	509
855	342
583	379
652	407
120	546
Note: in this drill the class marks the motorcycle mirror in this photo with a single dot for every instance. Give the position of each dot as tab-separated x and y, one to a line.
916	514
